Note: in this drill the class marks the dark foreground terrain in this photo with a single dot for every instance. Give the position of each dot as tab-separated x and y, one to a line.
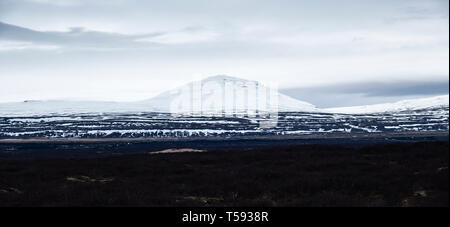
382	174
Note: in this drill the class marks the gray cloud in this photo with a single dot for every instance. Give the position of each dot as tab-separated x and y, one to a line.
75	37
426	10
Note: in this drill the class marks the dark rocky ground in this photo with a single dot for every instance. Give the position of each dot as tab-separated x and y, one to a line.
344	174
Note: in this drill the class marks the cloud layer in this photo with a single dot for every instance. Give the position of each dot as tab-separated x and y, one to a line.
130	50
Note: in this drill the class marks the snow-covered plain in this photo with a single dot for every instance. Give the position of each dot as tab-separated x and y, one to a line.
157	125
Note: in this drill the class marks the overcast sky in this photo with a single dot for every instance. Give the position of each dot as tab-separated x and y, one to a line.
355	51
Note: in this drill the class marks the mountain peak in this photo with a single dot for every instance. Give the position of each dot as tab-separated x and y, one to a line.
224	77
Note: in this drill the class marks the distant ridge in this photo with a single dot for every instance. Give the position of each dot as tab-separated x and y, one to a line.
409	104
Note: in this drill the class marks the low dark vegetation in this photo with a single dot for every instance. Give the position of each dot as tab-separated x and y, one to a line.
400	174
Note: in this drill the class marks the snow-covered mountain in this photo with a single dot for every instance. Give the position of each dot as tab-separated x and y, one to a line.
404	105
228	95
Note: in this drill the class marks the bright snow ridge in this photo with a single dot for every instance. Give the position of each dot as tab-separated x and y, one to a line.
404	105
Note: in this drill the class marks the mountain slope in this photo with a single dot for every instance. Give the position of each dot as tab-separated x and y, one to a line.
410	104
